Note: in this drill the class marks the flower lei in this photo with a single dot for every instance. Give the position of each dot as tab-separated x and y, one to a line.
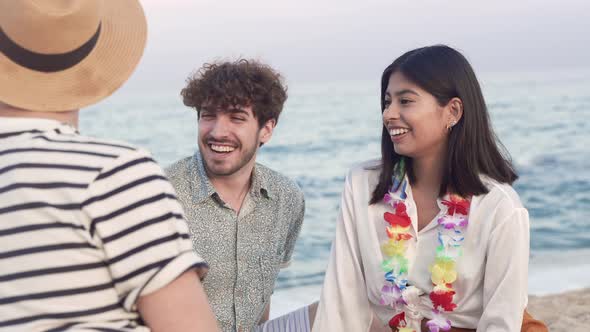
396	293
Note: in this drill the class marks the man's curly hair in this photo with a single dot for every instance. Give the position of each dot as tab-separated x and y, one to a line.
241	83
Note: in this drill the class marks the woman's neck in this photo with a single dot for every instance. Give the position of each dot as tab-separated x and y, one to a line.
428	172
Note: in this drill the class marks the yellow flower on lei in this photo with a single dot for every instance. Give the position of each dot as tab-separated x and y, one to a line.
393	248
443	272
405	329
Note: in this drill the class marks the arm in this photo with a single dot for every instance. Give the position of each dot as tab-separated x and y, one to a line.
170	309
139	224
344	304
506	275
294	230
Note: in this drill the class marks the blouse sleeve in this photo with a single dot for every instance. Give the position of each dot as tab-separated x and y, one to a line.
344	305
506	274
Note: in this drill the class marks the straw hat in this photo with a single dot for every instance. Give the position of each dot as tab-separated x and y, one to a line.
60	55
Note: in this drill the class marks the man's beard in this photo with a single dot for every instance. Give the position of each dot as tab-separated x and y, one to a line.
247	154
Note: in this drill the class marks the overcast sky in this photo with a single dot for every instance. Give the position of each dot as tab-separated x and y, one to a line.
327	40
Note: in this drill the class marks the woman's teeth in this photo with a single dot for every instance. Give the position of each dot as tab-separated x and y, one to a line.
397	131
222	148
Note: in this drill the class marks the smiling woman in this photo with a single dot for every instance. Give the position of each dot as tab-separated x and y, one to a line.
458	119
431	237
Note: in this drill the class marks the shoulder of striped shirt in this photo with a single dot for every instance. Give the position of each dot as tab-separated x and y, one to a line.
86	143
118	149
91	140
119	155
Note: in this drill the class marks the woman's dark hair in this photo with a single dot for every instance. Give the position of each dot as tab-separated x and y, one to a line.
473	148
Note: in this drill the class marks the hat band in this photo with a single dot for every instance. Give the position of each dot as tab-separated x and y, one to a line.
47	63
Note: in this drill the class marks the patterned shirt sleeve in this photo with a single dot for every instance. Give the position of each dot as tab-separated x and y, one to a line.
140	226
294	230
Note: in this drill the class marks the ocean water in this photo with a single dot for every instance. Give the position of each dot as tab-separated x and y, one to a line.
541	118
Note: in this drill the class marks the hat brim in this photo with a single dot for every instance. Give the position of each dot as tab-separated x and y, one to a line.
116	54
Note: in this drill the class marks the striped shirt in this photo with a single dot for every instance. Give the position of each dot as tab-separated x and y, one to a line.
86	227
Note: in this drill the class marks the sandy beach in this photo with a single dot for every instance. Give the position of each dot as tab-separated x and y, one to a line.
568	311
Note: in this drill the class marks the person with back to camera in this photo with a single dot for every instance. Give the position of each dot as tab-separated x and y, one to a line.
92	237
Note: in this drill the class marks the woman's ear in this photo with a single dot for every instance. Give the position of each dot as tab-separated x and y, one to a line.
455	111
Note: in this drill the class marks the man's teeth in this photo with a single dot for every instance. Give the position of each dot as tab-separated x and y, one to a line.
397	131
222	148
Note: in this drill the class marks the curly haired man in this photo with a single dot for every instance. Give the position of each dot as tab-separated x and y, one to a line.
244	217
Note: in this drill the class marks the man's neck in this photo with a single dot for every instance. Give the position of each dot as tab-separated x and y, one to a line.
233	188
69	117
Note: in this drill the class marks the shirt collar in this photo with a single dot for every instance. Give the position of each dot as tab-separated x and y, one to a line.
260	187
205	189
411	204
10	126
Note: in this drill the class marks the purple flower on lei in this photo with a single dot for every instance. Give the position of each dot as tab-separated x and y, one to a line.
388	199
391	296
453	222
438	323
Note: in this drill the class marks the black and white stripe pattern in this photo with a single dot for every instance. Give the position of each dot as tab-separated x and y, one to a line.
86	227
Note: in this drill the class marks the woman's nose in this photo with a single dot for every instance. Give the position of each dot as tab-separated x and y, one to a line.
390	113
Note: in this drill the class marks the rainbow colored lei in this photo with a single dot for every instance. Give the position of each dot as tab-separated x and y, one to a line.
396	293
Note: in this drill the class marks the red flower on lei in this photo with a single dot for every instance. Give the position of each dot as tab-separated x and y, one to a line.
457	204
400	218
398	320
443	299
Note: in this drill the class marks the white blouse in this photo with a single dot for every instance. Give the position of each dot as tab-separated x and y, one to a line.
491	287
